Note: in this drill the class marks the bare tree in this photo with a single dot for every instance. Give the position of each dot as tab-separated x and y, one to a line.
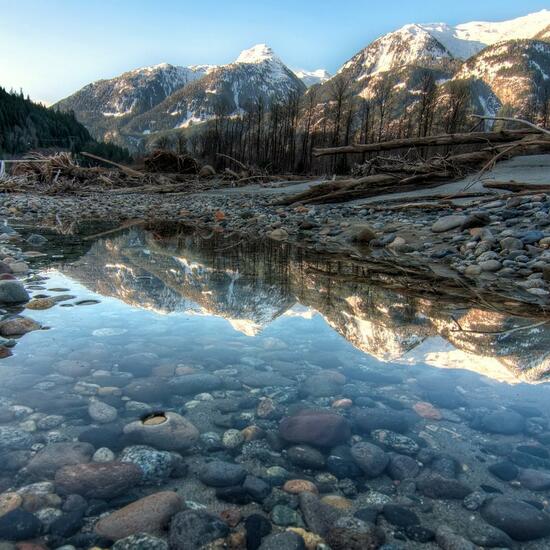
427	103
456	105
382	99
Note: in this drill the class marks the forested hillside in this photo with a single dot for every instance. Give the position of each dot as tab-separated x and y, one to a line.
25	125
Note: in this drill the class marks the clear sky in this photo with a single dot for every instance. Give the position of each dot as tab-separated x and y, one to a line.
50	48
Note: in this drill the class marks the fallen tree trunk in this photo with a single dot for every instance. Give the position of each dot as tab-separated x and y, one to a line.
444	139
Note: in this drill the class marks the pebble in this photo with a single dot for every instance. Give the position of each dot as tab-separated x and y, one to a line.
297	486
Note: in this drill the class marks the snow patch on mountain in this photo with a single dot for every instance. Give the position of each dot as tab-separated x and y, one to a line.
310	78
257	54
409	45
467	39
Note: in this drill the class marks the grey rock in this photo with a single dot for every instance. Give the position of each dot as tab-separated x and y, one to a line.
176	433
283	541
370	458
52	457
13	292
306	457
141	541
14	439
156	465
319	517
488	536
222	474
448	540
101	412
436	486
446	223
516	518
193	529
535	480
403	467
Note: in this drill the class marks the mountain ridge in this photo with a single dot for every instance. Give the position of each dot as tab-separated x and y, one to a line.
164	97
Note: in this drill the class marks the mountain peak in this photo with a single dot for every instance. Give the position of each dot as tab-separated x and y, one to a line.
257	54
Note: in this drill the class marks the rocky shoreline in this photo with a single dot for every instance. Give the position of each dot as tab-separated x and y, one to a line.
503	243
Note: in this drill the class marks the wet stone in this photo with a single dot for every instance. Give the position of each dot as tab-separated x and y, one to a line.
306	457
192	529
485	535
447	539
350	533
51	458
396	442
503	422
155	465
222	474
257	527
317	428
283	541
14	439
370	458
19	525
402	467
176	433
400	515
141	541
436	486
97	480
518	519
12	292
150	515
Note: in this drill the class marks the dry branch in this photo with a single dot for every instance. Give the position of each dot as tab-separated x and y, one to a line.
518	120
125	169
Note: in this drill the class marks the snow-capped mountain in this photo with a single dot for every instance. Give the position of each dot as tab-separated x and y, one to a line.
410	45
256	75
107	104
505	63
310	78
468	39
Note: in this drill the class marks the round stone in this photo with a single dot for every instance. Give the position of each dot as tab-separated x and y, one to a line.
149	515
175	434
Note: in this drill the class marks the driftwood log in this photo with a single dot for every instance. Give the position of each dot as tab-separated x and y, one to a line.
470	138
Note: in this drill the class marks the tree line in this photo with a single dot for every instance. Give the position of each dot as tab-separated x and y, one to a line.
27	126
279	137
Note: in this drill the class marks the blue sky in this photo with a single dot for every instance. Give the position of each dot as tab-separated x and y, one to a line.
50	48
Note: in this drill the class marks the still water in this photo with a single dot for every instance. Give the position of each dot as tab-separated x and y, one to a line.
276	389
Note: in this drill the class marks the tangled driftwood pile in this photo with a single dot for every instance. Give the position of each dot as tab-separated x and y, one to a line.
399	174
168	162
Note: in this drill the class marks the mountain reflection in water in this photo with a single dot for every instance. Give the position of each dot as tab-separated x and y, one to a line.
250	284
